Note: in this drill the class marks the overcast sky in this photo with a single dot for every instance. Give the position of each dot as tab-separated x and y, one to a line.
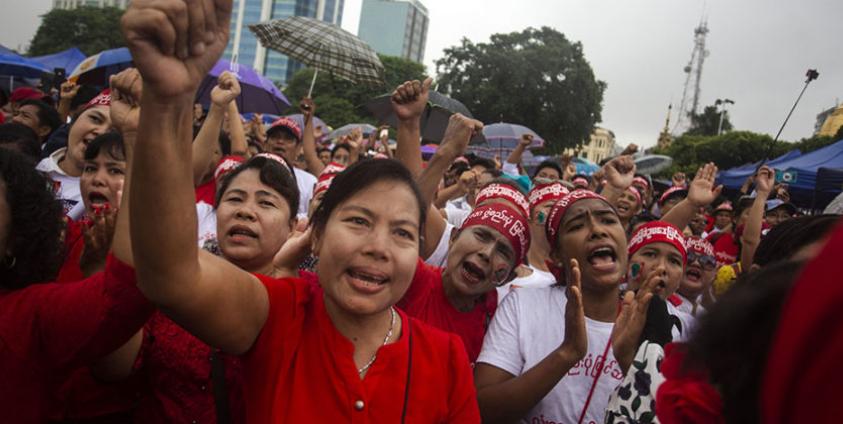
759	51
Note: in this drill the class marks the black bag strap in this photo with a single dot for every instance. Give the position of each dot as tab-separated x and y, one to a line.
220	389
409	368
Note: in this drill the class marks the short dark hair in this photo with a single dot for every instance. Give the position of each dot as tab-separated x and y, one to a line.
35	225
275	175
480	161
548	164
345	146
22	137
83	96
281	130
787	238
47	115
110	142
323	149
358	177
733	338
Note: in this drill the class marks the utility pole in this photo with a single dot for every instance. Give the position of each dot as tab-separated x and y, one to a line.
721	104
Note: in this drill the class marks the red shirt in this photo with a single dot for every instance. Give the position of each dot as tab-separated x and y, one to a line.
176	369
48	330
301	369
725	248
426	301
207	192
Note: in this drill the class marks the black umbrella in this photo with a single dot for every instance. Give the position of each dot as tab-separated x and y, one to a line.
434	120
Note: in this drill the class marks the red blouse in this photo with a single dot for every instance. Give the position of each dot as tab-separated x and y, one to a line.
48	330
426	301
176	369
301	369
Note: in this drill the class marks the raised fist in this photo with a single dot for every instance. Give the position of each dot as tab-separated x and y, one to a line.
126	91
410	99
226	90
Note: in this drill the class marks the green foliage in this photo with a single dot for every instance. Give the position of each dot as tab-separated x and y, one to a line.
91	29
536	78
340	102
731	149
707	122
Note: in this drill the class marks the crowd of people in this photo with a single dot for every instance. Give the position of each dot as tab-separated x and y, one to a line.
167	263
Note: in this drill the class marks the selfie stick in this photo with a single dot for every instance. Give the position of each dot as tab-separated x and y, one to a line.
812	74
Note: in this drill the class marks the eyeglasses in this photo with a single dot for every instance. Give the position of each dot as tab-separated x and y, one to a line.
708	262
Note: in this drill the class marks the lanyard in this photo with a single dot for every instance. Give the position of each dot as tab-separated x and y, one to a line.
594	382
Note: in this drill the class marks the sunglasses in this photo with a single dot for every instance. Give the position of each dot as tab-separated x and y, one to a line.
708	262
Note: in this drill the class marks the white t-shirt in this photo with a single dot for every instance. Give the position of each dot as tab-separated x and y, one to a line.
456	216
536	279
528	326
439	257
510	168
206	218
66	188
305	180
684	312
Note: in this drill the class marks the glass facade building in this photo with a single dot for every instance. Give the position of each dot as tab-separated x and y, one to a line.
244	44
395	27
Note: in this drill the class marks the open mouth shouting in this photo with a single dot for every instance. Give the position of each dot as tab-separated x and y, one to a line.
623	207
693	274
367	280
240	233
97	199
471	273
603	259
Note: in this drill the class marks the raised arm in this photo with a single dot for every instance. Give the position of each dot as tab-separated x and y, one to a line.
224	306
701	193
619	173
514	158
314	165
409	101
751	237
207	141
236	132
66	94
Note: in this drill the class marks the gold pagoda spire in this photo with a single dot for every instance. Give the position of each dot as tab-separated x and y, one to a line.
665	139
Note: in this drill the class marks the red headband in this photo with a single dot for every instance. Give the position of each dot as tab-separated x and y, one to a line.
323	183
273	156
226	165
505	192
698	245
102	99
642	181
544	192
551	228
506	221
635	193
580	182
658	232
332	168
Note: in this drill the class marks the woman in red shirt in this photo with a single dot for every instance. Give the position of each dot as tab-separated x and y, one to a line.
338	352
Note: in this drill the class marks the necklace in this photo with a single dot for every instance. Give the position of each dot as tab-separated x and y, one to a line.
385	339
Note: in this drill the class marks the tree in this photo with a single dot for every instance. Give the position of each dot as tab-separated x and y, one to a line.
340	102
535	78
708	122
91	29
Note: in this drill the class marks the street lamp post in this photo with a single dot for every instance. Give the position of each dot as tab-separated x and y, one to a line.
718	103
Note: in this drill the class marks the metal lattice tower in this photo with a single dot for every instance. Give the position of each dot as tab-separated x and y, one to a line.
694	68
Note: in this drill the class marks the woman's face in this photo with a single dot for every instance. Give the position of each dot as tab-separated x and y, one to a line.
591	233
479	259
91	123
699	273
627	206
341	156
253	221
656	255
369	248
722	219
102	181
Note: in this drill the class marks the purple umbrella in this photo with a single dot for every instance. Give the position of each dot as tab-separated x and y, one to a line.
503	135
257	94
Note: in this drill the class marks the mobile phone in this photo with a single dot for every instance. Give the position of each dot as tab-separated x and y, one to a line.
59	77
384	133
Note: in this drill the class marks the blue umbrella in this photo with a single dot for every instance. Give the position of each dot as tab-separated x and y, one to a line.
68	59
21	67
585	166
266	118
257	94
96	69
504	135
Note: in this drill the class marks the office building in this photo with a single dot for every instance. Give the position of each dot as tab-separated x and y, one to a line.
73	4
600	145
395	27
245	46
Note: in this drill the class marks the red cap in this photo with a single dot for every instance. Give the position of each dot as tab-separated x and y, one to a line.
635	193
505	192
506	221
285	122
25	93
725	206
669	192
658	232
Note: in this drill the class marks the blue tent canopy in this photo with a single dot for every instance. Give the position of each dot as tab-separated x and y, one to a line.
808	165
67	59
735	177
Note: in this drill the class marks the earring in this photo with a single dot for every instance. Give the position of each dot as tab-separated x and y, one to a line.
12	264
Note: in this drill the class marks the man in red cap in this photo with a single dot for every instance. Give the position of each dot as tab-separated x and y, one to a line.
284	137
